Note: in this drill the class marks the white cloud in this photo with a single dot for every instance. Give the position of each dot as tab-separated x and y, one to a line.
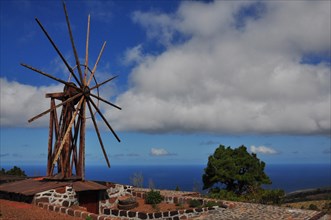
21	102
227	80
133	55
263	150
216	78
159	152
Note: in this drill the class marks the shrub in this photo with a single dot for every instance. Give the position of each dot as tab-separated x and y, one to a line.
153	197
210	204
195	203
275	196
313	207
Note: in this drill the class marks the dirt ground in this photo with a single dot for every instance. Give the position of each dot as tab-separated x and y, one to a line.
162	207
10	210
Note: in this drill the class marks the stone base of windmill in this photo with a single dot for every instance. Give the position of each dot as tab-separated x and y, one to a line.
127	203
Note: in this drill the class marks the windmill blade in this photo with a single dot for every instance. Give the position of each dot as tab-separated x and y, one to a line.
98	133
73	43
86	49
59	53
109	103
96	64
49	76
104	119
74	142
100	84
68	131
51	109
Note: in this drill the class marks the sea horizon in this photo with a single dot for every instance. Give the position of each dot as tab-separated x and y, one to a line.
289	177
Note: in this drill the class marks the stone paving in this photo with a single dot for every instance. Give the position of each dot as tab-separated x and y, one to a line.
248	211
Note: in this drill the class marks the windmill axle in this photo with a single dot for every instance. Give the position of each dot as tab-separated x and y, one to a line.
86	91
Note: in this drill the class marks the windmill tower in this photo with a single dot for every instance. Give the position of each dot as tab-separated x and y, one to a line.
66	141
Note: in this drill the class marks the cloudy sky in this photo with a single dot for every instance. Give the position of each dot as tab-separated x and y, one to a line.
192	75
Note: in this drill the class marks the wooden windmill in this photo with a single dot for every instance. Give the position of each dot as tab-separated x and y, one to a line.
66	142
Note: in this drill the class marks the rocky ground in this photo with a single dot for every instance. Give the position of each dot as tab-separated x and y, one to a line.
249	211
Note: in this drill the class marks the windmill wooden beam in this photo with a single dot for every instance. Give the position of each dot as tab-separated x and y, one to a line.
66	137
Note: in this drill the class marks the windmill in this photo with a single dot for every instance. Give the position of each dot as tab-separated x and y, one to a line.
66	141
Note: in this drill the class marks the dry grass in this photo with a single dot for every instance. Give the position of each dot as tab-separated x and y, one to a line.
322	205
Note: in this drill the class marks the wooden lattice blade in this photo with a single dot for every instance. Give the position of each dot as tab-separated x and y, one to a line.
96	64
86	49
104	119
58	105
49	76
105	101
100	84
73	43
98	133
59	53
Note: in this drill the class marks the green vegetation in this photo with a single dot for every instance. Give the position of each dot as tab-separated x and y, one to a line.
15	171
323	193
88	218
195	203
235	169
177	188
236	175
210	204
313	207
153	197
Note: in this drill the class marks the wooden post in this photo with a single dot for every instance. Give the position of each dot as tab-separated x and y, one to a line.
50	140
82	141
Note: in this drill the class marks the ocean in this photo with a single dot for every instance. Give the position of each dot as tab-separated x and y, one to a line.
289	177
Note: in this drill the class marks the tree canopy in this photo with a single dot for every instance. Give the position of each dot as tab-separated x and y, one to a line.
16	171
235	170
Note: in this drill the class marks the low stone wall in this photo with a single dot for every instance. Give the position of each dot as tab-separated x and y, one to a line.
65	196
185	199
109	199
61	200
111	210
121	214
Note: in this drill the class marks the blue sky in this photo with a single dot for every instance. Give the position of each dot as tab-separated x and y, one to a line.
192	75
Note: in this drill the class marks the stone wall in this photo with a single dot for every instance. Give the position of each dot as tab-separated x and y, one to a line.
125	215
109	198
61	200
110	208
64	196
